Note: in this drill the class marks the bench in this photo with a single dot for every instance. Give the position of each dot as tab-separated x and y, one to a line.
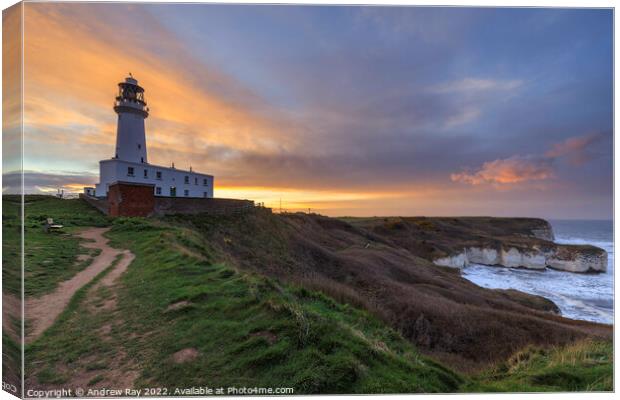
51	226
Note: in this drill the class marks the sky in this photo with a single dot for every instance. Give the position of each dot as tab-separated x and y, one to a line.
366	111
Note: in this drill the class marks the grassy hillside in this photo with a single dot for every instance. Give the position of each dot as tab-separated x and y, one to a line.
237	328
381	270
307	302
434	237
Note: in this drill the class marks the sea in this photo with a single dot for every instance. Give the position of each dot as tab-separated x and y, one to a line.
579	296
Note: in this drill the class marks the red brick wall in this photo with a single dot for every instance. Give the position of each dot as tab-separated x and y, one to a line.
126	200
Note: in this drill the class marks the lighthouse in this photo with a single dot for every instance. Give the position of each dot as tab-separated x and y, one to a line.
132	111
129	164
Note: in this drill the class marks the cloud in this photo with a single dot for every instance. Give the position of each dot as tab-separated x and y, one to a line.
392	101
192	104
203	116
515	169
45	183
434	25
519	169
475	85
576	149
467	114
469	97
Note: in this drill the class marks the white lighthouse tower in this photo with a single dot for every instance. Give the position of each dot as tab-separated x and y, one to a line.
129	164
132	111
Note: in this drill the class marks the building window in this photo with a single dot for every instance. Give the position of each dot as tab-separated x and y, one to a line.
186	192
158	190
186	179
195	181
139	146
158	175
146	173
204	182
129	171
173	191
142	159
204	194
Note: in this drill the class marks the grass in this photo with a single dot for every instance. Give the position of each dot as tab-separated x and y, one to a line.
376	264
319	346
248	330
582	366
11	362
50	258
11	244
181	294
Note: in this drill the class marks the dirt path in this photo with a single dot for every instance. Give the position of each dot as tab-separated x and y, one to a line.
11	310
41	312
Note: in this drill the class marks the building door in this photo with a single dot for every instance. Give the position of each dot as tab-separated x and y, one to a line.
173	191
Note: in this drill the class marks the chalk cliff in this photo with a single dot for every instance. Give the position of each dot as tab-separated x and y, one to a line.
571	258
510	242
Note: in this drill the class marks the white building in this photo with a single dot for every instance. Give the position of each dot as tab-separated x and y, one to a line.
130	163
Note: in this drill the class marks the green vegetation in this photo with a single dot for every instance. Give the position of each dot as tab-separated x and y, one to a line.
581	366
11	360
11	244
11	284
182	315
50	258
245	330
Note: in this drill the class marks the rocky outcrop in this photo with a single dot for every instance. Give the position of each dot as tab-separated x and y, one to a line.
571	258
544	231
580	258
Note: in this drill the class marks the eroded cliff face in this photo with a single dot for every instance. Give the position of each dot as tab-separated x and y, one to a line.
543	230
510	242
571	258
